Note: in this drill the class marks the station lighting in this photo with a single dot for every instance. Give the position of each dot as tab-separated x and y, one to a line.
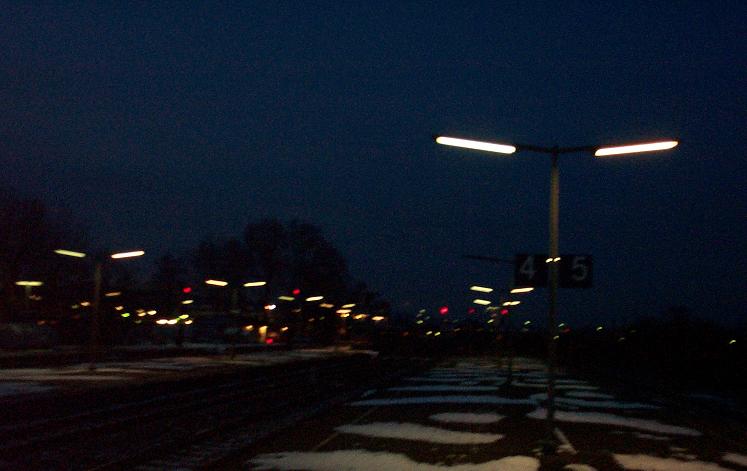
216	282
477	145
252	284
521	290
188	322
172	321
29	283
188	301
635	148
314	298
70	253
481	302
118	308
327	305
125	314
348	306
113	294
162	321
286	298
134	253
481	289
377	318
511	303
270	307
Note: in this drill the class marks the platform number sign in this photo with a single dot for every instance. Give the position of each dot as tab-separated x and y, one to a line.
575	270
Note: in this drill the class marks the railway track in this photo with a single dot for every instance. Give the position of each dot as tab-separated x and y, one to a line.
192	426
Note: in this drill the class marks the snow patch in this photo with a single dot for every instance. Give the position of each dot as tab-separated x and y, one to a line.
445	388
405	401
589	395
420	433
654	463
616	420
364	460
564	401
735	458
466	418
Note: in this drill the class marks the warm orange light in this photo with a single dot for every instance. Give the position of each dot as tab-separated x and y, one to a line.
481	302
253	284
481	289
521	290
477	145
216	282
635	148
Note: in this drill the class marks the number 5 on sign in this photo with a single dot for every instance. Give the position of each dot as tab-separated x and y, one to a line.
576	271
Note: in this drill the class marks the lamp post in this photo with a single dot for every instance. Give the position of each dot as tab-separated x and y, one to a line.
554	257
95	341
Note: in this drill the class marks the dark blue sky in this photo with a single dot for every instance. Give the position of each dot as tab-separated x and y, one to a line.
158	124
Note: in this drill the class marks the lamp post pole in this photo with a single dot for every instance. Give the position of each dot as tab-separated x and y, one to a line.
554	257
94	345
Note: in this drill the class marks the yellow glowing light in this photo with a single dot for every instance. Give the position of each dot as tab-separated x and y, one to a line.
481	302
125	314
527	322
284	329
188	301
429	332
481	289
252	284
141	314
348	306
732	341
315	298
113	294
135	253
29	283
360	316
152	311
491	321
75	306
477	145
420	321
184	316
216	282
344	315
118	308
188	322
286	298
85	303
521	290
437	334
162	321
377	318
172	321
270	307
327	305
343	311
70	253
248	328
599	328
635	148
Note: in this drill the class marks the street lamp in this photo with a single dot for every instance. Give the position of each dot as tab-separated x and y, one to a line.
99	262
553	254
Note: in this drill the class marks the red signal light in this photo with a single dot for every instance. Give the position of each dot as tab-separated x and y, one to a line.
471	310
296	292
504	312
269	341
444	310
186	290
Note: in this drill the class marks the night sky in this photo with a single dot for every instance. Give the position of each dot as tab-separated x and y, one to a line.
160	123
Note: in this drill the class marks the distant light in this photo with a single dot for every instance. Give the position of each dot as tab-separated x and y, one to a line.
141	314
172	321
732	341
599	328
75	306
286	298
521	290
162	321
284	329
490	321
549	260
429	332
152	312
248	328
85	303
481	302
216	282
377	318
478	145
188	301
504	312
443	310
29	283
471	310
344	314
188	322
343	311
186	290
556	337
635	148
135	253
511	303
125	314
481	289
184	316
118	308
561	325
269	341
314	298
270	307
70	253
437	334
327	305
113	294
296	292
348	306
252	284
527	322
420	321
360	316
